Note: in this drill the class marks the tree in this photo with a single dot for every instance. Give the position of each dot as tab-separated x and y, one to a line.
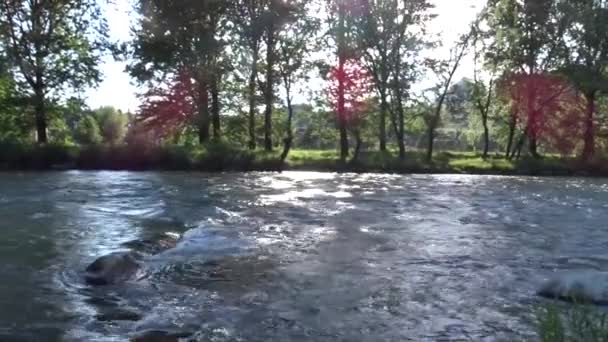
182	37
52	45
87	131
73	110
528	37
412	19
277	14
548	107
482	97
586	62
386	32
351	82
341	21
250	26
293	47
445	70
482	89
112	124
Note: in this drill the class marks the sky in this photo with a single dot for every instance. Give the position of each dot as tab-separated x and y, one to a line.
120	91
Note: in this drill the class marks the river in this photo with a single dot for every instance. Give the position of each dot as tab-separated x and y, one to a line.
293	256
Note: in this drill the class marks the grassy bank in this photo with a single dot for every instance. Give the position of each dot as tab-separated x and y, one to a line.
222	157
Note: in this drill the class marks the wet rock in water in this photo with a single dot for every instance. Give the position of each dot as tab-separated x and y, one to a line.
255	297
579	287
154	245
112	269
160	336
119	315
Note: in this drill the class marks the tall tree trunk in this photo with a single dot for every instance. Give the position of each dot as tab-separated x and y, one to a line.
511	137
40	113
486	136
215	108
520	147
431	142
288	141
401	136
399	124
400	127
203	113
341	87
358	143
532	143
589	148
516	149
383	111
343	142
484	110
39	85
433	126
268	94
252	84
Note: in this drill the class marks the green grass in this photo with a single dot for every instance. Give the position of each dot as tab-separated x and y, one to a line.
465	164
566	323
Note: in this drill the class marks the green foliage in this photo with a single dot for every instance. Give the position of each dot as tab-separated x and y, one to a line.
72	111
112	124
586	52
87	131
59	132
53	46
69	41
14	122
235	129
527	35
579	323
173	34
314	129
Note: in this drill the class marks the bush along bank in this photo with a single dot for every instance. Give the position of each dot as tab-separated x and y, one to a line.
219	157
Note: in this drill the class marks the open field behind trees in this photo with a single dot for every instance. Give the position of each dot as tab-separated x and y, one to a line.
221	157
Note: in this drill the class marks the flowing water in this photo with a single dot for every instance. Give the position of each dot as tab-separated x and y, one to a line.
293	256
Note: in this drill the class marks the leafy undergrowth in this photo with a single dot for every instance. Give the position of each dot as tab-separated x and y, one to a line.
221	156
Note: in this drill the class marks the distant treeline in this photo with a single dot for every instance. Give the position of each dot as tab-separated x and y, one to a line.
229	71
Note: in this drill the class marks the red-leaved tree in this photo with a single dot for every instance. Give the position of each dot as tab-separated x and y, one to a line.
357	86
167	109
548	109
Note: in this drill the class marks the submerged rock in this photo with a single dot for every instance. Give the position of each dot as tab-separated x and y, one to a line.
119	315
255	297
155	244
112	269
579	287
160	336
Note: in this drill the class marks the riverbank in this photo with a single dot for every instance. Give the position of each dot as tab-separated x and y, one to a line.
221	157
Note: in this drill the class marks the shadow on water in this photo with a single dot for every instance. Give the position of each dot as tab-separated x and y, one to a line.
292	256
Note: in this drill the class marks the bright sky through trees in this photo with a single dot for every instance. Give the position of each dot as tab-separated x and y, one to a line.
117	89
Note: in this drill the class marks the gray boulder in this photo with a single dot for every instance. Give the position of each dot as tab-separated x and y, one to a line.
112	269
579	287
